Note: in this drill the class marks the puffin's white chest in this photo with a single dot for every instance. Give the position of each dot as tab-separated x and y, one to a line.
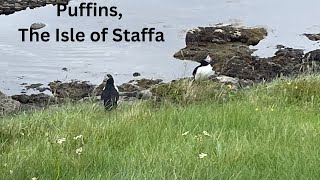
204	72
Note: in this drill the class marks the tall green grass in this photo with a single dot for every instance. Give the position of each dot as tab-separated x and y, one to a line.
270	131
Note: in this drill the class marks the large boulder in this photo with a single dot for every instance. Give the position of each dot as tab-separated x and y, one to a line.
74	90
7	104
220	42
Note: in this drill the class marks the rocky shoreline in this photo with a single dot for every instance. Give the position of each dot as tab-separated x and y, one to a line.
11	6
80	91
229	46
233	61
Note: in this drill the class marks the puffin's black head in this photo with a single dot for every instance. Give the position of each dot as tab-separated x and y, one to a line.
109	79
206	61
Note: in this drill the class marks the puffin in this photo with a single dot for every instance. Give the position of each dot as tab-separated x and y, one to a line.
110	94
204	70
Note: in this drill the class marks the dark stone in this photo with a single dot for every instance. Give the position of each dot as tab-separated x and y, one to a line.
8	7
313	37
36	26
74	90
136	74
39	100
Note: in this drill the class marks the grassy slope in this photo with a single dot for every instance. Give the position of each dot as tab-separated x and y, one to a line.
270	131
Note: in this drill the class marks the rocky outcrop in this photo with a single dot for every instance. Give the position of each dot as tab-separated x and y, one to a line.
11	6
74	90
39	100
313	37
221	42
7	104
232	56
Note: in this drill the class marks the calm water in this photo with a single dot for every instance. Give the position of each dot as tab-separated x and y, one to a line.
29	63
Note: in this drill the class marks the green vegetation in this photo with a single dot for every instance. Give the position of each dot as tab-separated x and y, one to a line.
270	131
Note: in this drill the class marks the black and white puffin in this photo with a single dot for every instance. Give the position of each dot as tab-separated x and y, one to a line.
204	70
110	94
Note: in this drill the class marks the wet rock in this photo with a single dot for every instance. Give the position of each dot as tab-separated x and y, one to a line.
8	105
39	100
229	47
33	86
313	37
220	42
136	74
36	86
36	26
74	90
8	7
224	35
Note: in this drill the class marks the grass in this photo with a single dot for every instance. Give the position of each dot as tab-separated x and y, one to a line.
270	131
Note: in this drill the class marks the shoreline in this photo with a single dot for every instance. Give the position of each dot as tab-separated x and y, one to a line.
233	63
8	7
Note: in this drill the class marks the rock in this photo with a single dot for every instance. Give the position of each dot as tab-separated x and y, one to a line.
128	87
36	86
138	85
136	74
74	90
147	83
33	86
8	105
128	94
8	7
144	94
64	69
224	35
313	55
313	37
229	46
222	43
226	79
36	26
38	100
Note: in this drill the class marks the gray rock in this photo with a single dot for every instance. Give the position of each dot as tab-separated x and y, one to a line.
144	94
36	26
8	105
227	79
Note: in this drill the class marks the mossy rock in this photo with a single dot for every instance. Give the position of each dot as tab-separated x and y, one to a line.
185	91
